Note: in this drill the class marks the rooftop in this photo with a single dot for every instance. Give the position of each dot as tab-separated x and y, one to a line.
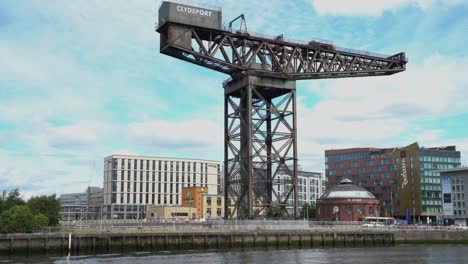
346	189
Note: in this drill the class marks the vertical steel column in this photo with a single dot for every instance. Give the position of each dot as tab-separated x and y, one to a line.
246	204
269	140
227	212
295	179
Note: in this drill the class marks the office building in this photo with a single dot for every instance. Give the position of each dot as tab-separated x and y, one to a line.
455	196
73	206
133	182
404	179
82	206
310	186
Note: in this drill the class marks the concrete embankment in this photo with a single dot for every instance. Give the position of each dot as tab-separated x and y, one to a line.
431	237
86	243
114	242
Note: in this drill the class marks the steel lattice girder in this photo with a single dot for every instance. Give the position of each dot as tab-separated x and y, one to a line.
260	143
232	53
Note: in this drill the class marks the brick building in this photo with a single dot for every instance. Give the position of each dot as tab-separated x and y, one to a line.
347	202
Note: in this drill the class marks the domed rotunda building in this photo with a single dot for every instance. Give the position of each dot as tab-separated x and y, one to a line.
347	202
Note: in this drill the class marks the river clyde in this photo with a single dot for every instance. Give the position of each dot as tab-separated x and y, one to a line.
398	254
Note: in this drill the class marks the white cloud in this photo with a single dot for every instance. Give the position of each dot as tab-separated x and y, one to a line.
374	7
382	111
72	136
183	135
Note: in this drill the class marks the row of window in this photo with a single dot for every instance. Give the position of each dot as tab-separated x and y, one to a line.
459	212
162	187
431	209
426	187
218	212
173	176
167	165
362	170
438	166
347	156
162	199
218	201
431	202
439	159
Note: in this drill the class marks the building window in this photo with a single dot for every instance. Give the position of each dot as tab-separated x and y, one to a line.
369	163
208	212
385	175
354	164
218	212
218	201
385	161
208	200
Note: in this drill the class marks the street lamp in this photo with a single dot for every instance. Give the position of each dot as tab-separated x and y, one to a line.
100	222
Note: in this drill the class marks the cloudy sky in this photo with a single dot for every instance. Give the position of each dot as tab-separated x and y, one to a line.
81	80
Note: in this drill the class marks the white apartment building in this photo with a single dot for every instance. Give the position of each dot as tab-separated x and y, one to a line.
310	186
133	182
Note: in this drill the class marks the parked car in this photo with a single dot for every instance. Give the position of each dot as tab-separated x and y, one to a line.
459	227
373	225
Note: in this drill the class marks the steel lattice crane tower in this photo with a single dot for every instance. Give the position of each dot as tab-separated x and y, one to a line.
260	98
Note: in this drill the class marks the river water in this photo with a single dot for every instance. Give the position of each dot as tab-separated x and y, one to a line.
437	254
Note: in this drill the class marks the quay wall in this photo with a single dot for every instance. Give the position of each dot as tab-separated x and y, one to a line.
80	243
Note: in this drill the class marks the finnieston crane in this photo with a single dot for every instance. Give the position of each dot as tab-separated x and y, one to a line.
260	146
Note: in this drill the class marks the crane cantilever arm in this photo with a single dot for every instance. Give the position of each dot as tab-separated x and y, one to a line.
237	52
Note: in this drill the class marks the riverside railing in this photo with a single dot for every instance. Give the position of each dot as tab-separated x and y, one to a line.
124	226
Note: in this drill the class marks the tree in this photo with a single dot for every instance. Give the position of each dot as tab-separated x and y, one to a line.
7	221
17	219
13	199
47	205
309	211
39	221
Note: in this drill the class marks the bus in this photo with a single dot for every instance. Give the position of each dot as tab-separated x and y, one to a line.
374	221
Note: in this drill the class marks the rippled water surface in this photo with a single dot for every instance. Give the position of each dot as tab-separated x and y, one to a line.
400	254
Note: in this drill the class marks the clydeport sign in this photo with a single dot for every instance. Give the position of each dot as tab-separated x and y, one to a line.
194	11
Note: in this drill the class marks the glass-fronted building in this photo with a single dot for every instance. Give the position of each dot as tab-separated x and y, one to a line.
431	161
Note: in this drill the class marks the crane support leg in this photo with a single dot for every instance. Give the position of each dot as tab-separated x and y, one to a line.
260	155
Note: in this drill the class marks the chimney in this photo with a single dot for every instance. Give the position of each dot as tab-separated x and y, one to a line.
4	196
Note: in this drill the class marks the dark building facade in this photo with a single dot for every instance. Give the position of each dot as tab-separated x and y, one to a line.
347	202
405	179
369	168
